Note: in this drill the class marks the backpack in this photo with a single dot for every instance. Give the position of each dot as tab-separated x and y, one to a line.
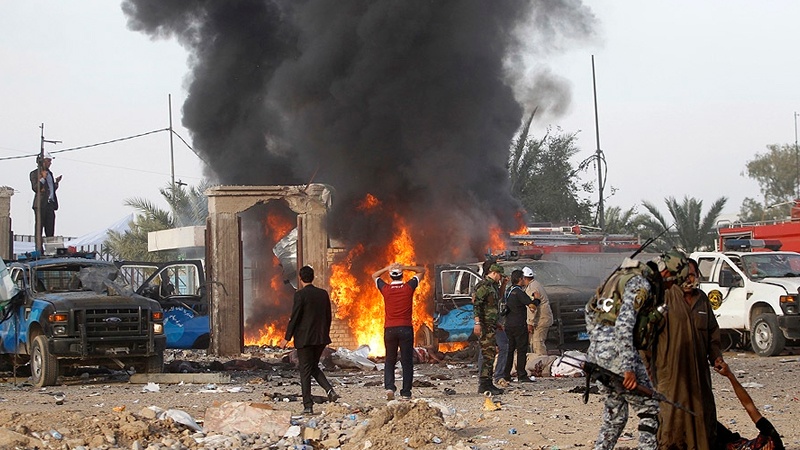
603	308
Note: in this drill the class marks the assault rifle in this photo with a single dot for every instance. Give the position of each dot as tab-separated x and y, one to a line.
614	381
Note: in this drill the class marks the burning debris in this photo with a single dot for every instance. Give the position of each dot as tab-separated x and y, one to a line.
406	108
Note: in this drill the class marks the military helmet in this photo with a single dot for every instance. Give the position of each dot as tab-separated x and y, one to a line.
675	262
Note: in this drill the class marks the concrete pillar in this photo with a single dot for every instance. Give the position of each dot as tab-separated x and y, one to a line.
5	222
223	254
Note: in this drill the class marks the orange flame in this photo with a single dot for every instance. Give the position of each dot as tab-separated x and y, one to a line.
369	202
496	241
269	335
523	227
269	290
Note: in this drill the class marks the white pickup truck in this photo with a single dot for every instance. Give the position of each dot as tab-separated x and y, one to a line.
754	296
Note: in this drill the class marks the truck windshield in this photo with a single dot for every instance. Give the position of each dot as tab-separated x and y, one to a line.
75	278
773	265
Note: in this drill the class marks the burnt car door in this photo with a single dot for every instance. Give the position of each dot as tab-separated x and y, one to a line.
179	286
453	316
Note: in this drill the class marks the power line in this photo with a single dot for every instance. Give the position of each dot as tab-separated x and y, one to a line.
5	158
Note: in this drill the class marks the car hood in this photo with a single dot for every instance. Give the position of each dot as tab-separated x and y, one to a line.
790	284
82	300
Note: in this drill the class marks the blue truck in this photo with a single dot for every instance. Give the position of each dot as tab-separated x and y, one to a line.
75	311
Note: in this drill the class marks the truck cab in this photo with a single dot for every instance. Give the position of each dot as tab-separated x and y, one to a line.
75	311
754	296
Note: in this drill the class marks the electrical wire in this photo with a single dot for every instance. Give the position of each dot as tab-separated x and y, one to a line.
72	149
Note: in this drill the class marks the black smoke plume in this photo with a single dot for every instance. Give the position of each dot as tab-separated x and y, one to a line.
412	101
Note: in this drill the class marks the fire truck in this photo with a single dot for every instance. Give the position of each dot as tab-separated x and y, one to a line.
776	235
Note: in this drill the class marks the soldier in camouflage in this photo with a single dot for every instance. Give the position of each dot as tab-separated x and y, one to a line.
612	346
487	299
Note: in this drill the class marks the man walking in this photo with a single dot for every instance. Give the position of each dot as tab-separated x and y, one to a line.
310	326
487	299
398	330
46	201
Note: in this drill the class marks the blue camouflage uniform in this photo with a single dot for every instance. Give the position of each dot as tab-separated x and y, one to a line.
612	347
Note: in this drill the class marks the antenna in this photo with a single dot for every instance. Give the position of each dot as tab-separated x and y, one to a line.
601	159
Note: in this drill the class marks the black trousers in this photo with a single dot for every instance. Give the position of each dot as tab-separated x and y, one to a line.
517	342
309	367
402	338
48	219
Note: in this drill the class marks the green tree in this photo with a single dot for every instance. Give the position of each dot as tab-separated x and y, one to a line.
544	180
187	207
691	231
776	172
623	222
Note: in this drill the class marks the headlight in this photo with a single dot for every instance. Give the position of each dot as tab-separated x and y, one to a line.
60	330
158	328
58	317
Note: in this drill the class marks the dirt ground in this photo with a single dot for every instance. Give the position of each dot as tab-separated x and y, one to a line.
104	410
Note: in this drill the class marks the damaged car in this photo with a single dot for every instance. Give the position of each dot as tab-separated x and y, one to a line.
568	294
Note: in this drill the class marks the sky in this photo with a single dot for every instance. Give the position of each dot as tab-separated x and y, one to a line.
687	93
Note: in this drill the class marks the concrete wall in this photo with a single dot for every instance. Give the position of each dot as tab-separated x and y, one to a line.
597	265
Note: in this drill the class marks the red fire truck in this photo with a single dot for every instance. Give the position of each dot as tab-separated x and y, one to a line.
776	235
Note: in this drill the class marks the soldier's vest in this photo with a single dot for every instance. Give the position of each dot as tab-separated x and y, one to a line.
604	306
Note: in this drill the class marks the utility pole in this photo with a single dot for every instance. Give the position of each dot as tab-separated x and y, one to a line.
601	219
171	148
37	198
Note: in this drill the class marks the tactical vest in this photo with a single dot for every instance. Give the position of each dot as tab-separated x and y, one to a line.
604	306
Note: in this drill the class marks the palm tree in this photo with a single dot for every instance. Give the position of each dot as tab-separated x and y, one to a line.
188	207
622	222
691	232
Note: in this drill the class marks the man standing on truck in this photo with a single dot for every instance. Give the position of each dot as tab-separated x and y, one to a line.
539	318
398	330
45	202
485	311
611	321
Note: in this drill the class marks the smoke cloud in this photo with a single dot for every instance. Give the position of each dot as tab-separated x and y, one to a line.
412	101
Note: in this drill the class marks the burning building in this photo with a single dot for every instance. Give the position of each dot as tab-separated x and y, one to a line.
405	107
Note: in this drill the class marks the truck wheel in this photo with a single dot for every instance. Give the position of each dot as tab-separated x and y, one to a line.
154	364
765	336
44	366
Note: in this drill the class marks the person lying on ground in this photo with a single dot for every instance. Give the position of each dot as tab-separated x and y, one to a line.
767	439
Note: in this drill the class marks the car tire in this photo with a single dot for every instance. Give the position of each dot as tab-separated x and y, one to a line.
202	342
44	366
765	336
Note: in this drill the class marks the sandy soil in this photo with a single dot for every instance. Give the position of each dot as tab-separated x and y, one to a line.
104	410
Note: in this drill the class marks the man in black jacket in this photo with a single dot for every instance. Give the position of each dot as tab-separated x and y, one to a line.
516	326
310	326
45	185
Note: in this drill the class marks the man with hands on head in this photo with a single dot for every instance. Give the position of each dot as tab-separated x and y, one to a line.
398	329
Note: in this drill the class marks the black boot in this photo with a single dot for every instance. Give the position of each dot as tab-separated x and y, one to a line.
486	385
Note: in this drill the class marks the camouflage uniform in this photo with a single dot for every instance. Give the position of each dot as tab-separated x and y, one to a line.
487	295
611	346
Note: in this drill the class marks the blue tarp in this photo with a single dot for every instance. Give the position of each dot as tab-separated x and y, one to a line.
458	323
